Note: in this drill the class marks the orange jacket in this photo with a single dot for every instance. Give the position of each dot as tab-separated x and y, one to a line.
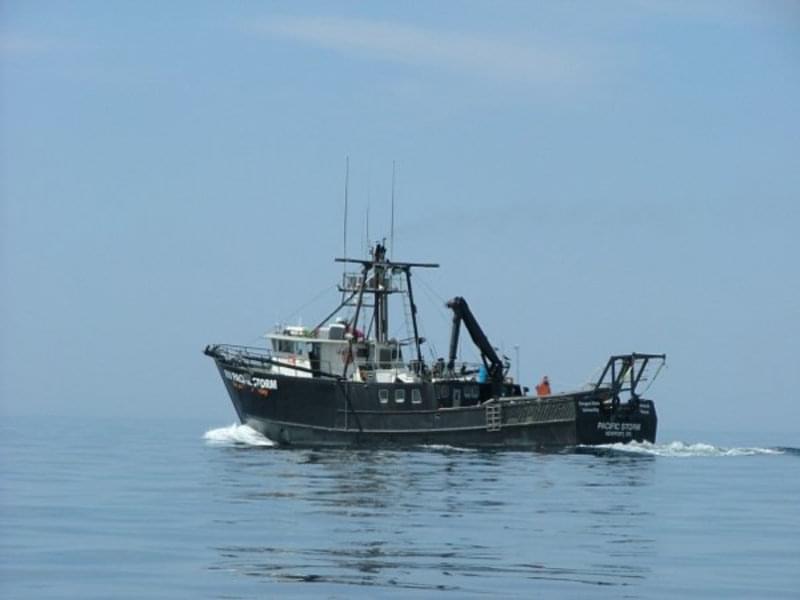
543	389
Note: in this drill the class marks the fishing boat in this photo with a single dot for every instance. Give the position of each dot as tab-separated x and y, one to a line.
346	382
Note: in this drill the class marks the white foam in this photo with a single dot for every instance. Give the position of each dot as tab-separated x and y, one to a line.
236	435
446	447
683	450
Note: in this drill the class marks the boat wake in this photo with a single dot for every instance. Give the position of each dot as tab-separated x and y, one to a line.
445	448
683	450
236	435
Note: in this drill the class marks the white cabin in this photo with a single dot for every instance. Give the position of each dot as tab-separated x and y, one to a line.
331	349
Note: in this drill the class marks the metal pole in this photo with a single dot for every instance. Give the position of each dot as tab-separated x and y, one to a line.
413	315
391	234
346	186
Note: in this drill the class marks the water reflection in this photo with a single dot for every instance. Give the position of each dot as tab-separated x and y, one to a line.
471	522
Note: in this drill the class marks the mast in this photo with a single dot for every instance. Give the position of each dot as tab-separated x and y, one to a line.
354	327
379	285
381	294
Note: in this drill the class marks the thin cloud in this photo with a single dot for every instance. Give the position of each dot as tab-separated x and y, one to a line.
728	12
465	53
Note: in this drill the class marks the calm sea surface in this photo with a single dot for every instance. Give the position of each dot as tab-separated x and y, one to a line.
138	509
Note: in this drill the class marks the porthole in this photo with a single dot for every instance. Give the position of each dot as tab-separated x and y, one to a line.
416	396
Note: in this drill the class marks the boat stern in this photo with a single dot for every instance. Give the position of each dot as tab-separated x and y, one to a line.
604	422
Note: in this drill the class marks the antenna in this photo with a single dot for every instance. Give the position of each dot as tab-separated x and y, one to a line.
367	223
346	186
391	234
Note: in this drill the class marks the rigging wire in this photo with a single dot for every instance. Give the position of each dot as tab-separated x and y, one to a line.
435	299
254	340
429	290
441	301
429	344
309	303
655	376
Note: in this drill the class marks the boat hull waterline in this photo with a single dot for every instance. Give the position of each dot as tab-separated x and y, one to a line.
315	412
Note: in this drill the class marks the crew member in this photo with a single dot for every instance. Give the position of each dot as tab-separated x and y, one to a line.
543	388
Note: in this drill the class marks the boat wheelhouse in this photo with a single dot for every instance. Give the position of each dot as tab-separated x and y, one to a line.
347	381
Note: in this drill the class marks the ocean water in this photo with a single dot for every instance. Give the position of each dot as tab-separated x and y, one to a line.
157	509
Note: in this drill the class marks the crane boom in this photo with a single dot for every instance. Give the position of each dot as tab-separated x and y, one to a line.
462	313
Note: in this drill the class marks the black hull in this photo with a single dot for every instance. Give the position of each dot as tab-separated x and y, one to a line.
318	411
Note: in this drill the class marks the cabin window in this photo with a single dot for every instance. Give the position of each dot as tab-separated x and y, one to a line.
383	396
456	397
471	391
286	346
416	396
385	358
399	396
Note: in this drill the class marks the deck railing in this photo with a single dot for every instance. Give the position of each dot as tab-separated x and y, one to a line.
264	358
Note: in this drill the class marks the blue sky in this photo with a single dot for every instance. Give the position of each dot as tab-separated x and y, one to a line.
593	177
